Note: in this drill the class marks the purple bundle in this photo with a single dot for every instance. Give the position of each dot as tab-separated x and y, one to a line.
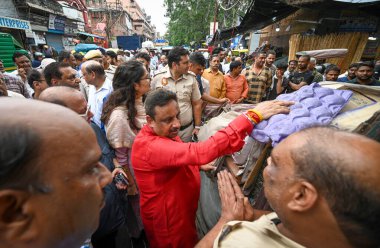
314	105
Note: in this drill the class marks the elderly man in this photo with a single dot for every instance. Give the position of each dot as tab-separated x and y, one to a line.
318	77
61	74
100	87
56	152
167	170
185	85
112	216
319	198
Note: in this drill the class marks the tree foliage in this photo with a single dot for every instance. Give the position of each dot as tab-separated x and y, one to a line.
190	19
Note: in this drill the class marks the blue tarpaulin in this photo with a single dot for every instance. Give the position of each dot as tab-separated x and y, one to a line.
85	47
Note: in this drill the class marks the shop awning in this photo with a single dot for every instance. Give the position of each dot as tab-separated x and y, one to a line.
17	44
262	13
91	35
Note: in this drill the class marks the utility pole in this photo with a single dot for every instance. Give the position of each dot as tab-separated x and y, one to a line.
113	15
215	16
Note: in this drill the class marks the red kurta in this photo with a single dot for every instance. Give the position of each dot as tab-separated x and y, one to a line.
167	174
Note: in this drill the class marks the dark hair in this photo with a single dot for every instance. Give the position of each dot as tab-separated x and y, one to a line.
217	50
34	75
282	65
234	64
198	59
306	56
96	67
369	64
52	71
159	97
332	68
271	52
256	54
213	56
143	56
19	147
111	54
175	55
102	50
78	56
18	55
126	75
63	55
355	206
293	60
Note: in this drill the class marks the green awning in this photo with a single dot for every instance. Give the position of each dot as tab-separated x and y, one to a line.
17	44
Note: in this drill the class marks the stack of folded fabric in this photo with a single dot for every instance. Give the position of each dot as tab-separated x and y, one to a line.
314	106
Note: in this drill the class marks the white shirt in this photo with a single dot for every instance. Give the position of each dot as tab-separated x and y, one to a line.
96	99
14	94
15	74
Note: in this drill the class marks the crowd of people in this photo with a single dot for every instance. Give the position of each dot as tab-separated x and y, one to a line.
128	176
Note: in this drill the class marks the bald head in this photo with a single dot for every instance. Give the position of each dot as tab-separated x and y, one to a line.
345	170
67	97
49	156
93	66
26	126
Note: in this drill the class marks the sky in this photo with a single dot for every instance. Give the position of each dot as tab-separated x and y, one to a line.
157	11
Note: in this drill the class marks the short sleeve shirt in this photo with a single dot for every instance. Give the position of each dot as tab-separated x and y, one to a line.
260	233
258	84
186	89
298	77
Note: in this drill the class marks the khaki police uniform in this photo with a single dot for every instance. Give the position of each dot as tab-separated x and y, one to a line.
260	233
186	89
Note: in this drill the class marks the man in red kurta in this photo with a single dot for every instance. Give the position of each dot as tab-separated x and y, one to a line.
167	170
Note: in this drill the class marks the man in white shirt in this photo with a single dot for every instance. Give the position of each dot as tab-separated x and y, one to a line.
100	87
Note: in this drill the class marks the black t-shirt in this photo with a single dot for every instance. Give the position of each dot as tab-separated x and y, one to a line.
298	77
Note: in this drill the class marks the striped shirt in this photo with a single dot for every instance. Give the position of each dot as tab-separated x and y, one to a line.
258	84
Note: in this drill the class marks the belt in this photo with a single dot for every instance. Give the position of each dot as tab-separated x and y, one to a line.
185	126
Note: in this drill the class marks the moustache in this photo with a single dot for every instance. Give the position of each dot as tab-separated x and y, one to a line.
175	129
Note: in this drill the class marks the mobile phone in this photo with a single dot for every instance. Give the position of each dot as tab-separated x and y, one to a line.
194	138
120	178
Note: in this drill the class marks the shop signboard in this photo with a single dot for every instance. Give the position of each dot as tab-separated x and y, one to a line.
56	24
14	23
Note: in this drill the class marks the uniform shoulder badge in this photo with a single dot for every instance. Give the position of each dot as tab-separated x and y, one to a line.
164	81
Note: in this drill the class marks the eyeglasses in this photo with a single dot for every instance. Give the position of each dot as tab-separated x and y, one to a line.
86	113
148	78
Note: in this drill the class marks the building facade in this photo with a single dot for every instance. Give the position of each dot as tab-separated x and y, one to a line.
142	24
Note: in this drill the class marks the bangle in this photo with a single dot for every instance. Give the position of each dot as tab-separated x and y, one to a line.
197	127
255	115
250	119
118	167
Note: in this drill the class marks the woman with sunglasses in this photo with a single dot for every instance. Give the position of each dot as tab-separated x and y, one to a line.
123	116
